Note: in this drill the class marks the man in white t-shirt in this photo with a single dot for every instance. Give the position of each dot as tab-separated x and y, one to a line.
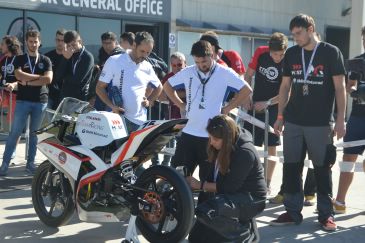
207	85
131	74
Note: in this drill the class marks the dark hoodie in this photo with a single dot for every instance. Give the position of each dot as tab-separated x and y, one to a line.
246	173
103	56
76	84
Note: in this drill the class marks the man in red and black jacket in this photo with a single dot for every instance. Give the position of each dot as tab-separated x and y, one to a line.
229	58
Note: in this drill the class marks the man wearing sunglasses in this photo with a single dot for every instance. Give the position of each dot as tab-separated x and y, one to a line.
177	62
170	110
207	84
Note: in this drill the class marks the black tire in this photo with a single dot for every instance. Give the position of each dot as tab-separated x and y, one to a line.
178	203
58	200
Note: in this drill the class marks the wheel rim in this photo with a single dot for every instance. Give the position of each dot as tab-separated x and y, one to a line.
162	194
50	197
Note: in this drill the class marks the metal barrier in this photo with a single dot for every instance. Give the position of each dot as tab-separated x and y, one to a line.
344	166
9	111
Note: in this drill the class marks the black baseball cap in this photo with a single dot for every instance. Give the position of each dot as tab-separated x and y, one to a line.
212	40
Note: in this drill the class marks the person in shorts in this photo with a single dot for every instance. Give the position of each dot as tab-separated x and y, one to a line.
266	66
355	131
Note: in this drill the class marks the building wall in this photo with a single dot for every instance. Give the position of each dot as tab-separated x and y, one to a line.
263	13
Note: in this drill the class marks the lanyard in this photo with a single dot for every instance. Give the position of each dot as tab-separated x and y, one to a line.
204	81
6	66
32	69
77	61
216	169
305	70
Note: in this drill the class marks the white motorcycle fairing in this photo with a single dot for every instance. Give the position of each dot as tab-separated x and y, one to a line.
94	167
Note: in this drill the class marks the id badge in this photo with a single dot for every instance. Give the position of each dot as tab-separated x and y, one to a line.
202	106
305	89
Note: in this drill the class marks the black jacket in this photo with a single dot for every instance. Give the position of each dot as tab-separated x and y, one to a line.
76	85
246	173
103	56
158	64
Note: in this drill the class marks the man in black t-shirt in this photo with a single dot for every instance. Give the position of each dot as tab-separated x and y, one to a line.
56	85
355	130
76	68
313	74
33	72
266	65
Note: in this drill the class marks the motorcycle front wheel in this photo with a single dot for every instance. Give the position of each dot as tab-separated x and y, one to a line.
170	214
52	196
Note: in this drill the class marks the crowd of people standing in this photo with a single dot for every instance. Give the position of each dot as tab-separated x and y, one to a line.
298	85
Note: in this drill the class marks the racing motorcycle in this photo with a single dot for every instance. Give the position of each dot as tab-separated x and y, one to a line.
94	166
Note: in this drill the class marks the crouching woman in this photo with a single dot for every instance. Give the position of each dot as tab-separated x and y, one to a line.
237	183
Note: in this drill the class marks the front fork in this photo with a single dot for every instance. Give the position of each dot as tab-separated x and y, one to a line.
48	182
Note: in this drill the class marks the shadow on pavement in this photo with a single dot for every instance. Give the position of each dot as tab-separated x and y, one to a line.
35	231
308	230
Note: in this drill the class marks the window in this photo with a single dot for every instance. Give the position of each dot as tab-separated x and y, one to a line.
185	41
11	23
48	24
91	29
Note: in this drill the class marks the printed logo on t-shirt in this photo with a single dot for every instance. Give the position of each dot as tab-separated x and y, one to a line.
296	70
271	73
102	74
9	68
316	71
40	65
315	77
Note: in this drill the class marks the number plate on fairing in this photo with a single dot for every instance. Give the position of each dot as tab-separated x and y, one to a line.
97	128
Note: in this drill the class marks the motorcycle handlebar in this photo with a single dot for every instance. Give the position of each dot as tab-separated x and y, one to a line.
46	128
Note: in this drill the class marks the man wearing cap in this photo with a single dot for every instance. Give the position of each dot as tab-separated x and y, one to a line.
231	58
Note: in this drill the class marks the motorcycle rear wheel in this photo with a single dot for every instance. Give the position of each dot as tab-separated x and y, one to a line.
53	203
171	216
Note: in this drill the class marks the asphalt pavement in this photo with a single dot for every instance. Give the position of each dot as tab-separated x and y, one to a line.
19	222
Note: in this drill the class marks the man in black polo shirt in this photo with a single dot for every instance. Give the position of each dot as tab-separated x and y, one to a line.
56	57
33	72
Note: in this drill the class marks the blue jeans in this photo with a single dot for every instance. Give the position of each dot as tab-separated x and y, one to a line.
24	109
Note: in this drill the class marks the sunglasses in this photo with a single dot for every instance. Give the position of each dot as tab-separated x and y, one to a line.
216	125
177	65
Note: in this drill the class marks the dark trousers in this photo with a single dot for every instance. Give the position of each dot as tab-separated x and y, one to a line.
298	140
310	187
191	151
